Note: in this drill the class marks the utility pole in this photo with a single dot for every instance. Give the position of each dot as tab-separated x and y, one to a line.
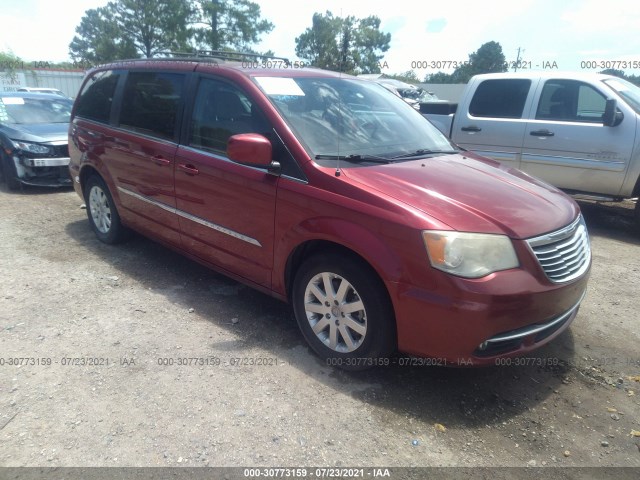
515	66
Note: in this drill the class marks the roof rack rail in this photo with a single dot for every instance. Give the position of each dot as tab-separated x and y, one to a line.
189	58
220	54
211	56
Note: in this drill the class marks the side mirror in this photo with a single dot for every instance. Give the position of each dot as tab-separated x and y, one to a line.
612	117
251	149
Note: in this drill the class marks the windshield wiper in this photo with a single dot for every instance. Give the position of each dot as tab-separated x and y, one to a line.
424	151
355	158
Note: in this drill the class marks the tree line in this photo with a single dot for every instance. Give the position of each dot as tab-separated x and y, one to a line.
146	28
125	29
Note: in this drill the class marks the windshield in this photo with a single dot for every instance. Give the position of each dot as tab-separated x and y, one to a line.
627	90
23	110
347	117
427	97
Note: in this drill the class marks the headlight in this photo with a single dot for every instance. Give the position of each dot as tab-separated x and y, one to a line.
470	255
31	147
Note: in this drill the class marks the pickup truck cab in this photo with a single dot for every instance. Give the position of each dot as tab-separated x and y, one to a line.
577	131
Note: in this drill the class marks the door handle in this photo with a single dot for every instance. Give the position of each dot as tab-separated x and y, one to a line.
188	169
472	128
94	135
160	160
541	133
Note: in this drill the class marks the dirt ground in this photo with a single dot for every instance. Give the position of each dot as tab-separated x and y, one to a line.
99	333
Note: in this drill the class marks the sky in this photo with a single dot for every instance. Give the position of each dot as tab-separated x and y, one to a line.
562	34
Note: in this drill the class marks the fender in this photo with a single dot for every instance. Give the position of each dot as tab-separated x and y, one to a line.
355	237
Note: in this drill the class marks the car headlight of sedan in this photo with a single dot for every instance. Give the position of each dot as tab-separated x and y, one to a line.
469	255
31	147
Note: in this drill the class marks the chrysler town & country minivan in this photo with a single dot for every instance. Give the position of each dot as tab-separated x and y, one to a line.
333	194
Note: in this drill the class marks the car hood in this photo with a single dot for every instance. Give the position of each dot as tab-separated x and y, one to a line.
473	194
37	132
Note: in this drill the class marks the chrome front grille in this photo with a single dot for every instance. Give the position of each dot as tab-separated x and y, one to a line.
564	255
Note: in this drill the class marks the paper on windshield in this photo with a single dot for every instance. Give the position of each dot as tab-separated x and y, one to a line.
279	86
13	100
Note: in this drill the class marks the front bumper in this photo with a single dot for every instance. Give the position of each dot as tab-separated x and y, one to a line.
42	172
475	322
529	336
46	162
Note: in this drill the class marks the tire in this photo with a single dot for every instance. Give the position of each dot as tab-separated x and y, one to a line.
636	216
352	326
9	173
102	213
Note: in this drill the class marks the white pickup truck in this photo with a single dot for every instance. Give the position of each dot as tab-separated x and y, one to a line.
577	131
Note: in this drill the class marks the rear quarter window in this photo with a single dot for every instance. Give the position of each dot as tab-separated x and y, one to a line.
96	98
500	98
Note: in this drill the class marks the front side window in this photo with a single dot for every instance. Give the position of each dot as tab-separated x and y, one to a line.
151	103
220	111
96	97
570	101
501	98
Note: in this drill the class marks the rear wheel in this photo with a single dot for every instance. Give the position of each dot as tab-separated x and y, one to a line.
9	173
102	212
343	311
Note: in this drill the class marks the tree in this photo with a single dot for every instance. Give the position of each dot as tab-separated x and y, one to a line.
99	39
438	77
350	44
487	59
154	25
319	44
614	72
635	79
130	29
409	76
228	24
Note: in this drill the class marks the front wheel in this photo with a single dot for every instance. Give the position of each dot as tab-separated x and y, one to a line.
102	212
636	215
343	311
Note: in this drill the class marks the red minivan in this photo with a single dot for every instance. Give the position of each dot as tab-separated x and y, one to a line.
335	195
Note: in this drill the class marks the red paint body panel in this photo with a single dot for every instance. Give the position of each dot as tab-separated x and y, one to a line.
214	195
247	223
469	194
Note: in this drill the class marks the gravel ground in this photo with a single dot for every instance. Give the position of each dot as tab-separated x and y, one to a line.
101	331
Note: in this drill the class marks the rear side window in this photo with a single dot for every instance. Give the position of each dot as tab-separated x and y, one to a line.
570	101
95	99
151	103
504	98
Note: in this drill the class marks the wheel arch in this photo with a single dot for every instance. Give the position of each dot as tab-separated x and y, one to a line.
320	234
89	169
86	172
310	248
387	337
